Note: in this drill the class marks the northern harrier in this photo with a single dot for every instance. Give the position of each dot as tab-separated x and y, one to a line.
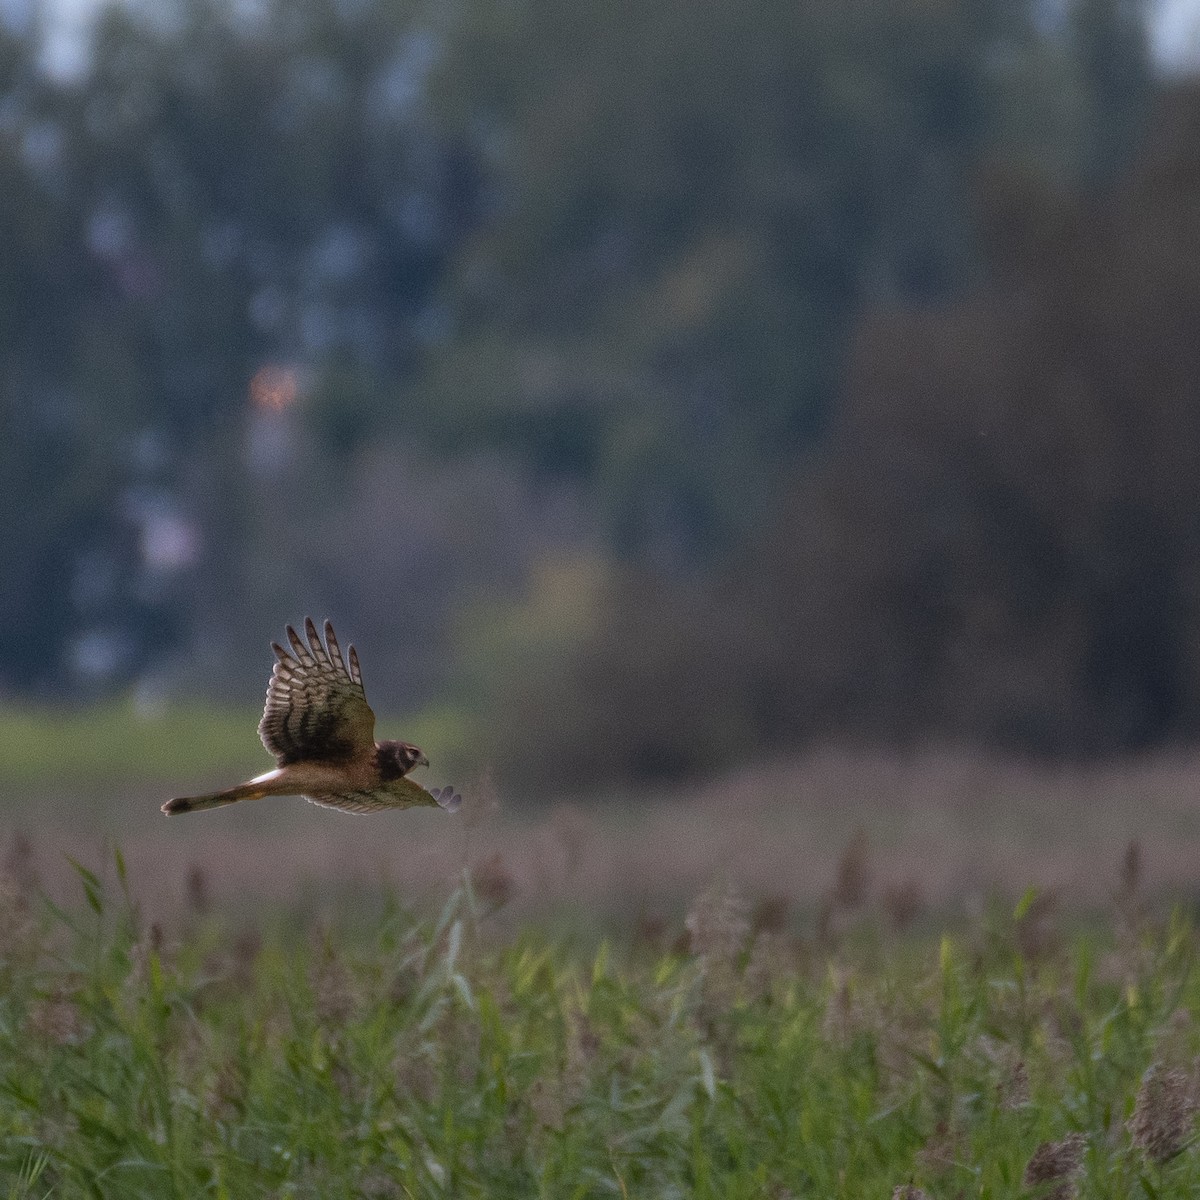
321	729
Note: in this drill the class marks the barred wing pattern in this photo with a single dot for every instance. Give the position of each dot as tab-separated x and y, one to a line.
316	707
369	802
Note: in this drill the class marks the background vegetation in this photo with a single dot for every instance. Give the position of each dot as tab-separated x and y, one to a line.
662	396
646	388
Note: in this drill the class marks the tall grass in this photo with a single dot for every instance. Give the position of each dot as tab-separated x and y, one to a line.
398	1056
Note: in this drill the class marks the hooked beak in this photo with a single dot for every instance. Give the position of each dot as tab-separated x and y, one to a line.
422	761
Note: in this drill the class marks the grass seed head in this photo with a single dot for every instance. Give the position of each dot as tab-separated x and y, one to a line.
650	932
853	880
151	944
903	902
1163	1113
333	1001
718	926
771	958
1036	930
56	1020
493	882
20	864
199	901
18	931
1131	870
1059	1163
573	830
479	802
417	1077
944	1150
247	947
582	1049
1013	1089
840	1010
770	914
380	1185
226	1095
545	1102
1129	911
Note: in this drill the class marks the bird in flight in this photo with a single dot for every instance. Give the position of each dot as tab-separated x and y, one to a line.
319	726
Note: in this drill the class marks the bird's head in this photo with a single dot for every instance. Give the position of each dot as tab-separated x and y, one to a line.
396	759
411	756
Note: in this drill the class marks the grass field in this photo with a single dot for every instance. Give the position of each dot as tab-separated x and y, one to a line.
727	1056
915	976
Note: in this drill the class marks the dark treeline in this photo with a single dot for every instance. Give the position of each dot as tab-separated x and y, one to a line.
648	386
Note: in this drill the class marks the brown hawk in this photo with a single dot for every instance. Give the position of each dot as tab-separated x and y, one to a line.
319	726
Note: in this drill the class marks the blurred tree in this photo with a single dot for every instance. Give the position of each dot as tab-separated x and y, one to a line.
1002	543
224	188
381	307
692	208
58	460
684	305
1112	52
689	207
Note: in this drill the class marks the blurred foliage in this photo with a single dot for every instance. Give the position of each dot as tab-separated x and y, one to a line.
693	207
114	743
998	540
223	187
791	331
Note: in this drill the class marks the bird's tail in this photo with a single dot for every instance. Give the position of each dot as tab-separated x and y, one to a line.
187	804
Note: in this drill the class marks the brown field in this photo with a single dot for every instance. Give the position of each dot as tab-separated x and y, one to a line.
946	828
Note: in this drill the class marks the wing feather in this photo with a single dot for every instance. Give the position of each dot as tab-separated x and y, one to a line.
319	653
358	803
303	657
335	651
399	793
316	708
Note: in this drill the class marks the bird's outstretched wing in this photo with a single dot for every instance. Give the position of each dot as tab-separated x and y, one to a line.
399	793
316	707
